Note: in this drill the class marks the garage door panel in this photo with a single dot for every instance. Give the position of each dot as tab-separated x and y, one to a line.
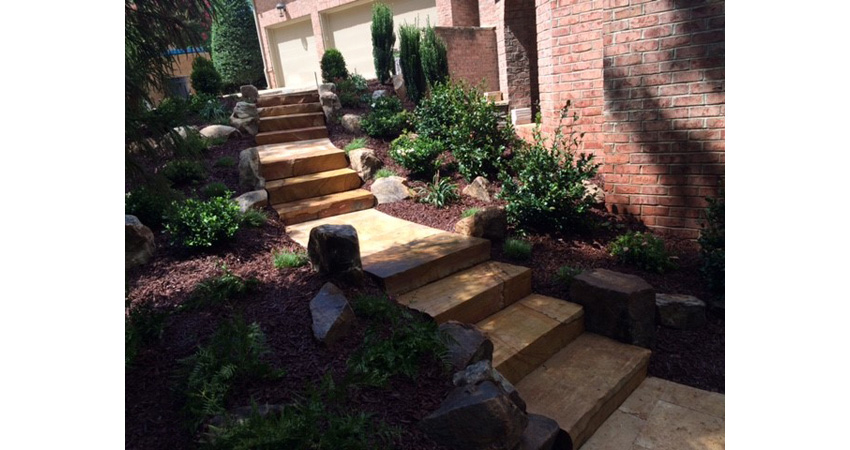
413	11
351	31
298	63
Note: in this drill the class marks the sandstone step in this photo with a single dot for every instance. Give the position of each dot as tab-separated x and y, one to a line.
283	110
472	294
300	134
312	185
581	385
292	121
288	99
324	206
283	162
405	267
530	331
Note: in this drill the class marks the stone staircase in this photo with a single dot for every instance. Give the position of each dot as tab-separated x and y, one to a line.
290	117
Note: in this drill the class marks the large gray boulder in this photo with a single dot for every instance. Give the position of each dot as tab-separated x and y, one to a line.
390	189
219	132
334	250
489	223
250	178
616	305
683	312
351	123
476	417
249	93
138	242
467	344
483	371
332	315
365	162
330	105
478	189
542	433
246	118
327	87
252	200
378	94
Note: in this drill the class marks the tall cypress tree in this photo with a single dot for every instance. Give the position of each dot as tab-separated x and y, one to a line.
383	40
435	61
235	47
411	61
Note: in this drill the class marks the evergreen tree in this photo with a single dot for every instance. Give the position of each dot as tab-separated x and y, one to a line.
235	47
435	62
411	61
383	40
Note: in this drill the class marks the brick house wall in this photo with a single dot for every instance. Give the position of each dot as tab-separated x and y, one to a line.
472	55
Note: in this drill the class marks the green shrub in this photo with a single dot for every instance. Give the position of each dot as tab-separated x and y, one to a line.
198	100
184	172
171	112
712	241
205	79
418	155
547	193
387	119
150	203
143	325
225	161
435	63
384	173
333	66
566	274
517	249
411	62
355	144
470	212
440	193
254	218
642	250
383	41
195	223
213	111
352	91
216	189
289	260
191	146
467	124
235	46
222	289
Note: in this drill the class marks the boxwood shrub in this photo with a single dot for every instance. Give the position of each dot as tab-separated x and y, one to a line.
197	223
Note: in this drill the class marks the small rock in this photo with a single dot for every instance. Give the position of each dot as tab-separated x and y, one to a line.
594	191
249	93
184	131
351	123
683	312
488	223
249	170
483	371
478	189
244	110
219	132
390	189
327	87
541	434
253	200
467	344
138	242
332	315
378	94
365	162
398	85
334	250
330	105
246	118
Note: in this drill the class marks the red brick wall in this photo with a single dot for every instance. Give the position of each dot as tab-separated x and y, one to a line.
520	33
472	55
458	13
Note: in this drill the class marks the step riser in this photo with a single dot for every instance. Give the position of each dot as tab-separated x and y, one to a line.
279	123
285	110
335	209
531	357
597	419
287	99
489	302
303	166
291	136
314	188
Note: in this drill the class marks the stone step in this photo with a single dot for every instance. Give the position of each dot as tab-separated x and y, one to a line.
265	101
403	268
325	206
292	121
530	331
312	185
472	294
300	134
584	383
278	162
284	110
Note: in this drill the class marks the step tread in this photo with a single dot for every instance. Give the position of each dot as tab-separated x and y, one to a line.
443	299
297	161
283	110
315	207
285	148
307	178
582	384
294	130
291	116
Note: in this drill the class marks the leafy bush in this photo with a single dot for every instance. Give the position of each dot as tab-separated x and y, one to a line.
547	193
333	66
642	250
216	189
384	173
254	218
355	144
225	161
352	91
517	249
184	172
566	274
470	212
150	203
220	290
411	62
289	260
467	124
142	326
213	111
712	241
383	41
418	155
387	119
235	46
440	193
205	79
171	112
193	145
435	63
196	223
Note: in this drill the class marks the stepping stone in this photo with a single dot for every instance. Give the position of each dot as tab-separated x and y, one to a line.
581	385
528	332
312	185
285	161
324	206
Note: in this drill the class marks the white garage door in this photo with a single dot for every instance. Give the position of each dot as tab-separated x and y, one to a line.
297	61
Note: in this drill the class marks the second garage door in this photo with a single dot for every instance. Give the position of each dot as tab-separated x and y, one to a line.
297	60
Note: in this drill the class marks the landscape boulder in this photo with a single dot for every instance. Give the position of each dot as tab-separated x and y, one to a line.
253	200
138	242
332	315
476	417
330	105
398	85
185	130
543	433
365	162
390	189
249	93
489	223
616	305
327	87
219	132
249	170
246	118
378	94
683	312
467	344
478	189
334	250
351	123
593	191
483	371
